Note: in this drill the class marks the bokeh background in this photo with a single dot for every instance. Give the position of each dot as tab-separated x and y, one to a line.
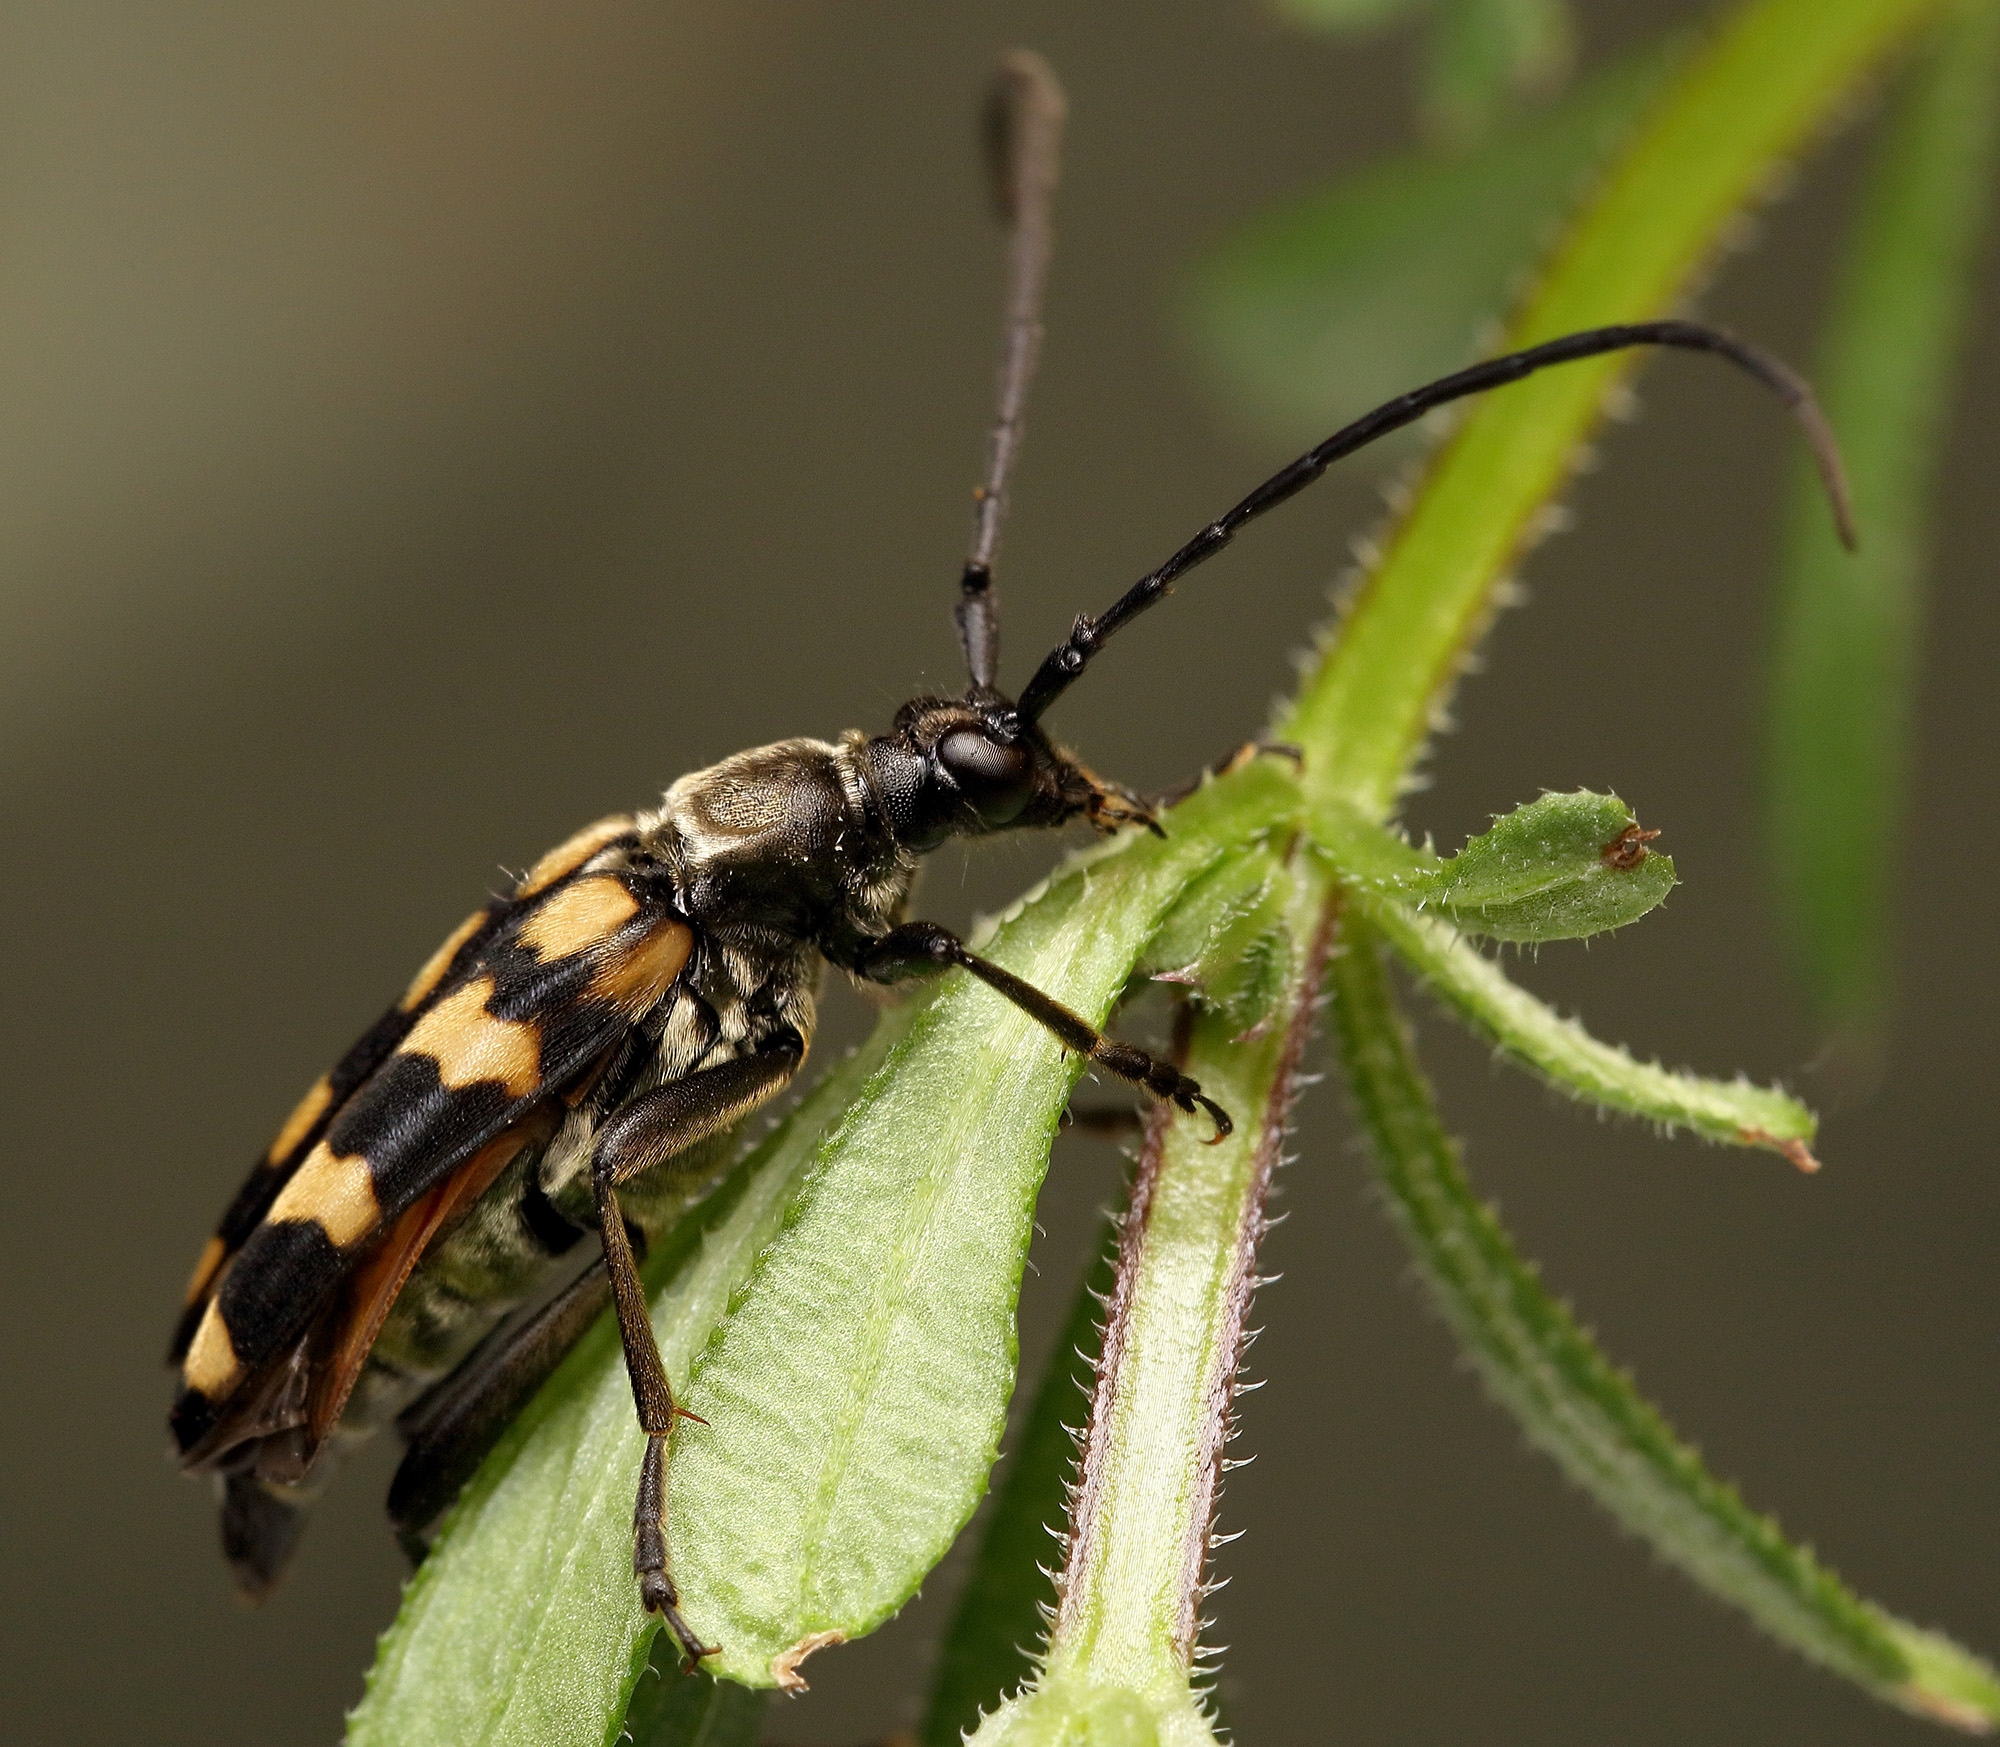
423	429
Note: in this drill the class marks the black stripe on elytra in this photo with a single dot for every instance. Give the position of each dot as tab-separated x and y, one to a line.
367	1054
525	988
413	1129
526	985
285	1270
191	1419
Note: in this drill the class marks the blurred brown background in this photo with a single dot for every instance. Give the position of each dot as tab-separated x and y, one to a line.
423	429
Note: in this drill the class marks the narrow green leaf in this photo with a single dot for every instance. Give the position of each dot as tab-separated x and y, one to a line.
1533	1035
1119	1658
1540	1365
1192	940
1391	882
989	1652
1225	938
1348	295
1775	74
1849	626
1484	56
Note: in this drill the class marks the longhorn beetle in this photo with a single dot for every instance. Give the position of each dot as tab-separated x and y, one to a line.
573	1056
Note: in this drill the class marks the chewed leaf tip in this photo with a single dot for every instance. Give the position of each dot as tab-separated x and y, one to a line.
785	1665
1794	1149
1628	849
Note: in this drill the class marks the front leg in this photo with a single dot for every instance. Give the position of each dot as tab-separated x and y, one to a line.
923	949
647	1132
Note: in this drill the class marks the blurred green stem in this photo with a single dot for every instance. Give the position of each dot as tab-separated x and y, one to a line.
1850	624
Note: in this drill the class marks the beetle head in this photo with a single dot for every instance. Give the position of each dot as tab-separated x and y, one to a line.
969	766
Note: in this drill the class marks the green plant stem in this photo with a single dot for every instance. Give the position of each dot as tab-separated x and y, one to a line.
1776	73
1850	624
1583	1411
1120	1653
1532	1035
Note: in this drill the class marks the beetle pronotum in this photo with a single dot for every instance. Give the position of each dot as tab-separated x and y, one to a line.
575	1054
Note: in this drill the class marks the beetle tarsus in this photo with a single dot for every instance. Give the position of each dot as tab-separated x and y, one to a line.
657	1594
1224	1128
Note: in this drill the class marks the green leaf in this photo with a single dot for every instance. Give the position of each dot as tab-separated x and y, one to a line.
1487	55
1346	296
842	1314
1579	1408
1774	75
1118	1663
1849	627
1009	1596
857	1392
1532	1035
1389	880
675	1709
1192	941
1224	939
1563	867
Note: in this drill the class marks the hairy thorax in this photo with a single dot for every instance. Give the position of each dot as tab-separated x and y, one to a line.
791	836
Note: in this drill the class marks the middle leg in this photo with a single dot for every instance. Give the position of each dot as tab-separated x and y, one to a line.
646	1133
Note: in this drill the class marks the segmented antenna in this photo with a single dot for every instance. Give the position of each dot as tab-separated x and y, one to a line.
1062	665
1022	130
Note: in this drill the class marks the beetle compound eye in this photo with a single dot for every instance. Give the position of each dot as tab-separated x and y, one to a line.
995	780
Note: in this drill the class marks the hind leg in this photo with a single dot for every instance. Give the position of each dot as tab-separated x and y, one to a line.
448	1430
259	1530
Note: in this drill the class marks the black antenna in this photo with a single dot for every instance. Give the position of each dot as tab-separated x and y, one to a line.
1069	658
1022	129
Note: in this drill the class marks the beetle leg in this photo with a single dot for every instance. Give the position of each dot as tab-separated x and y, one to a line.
645	1133
922	949
449	1429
